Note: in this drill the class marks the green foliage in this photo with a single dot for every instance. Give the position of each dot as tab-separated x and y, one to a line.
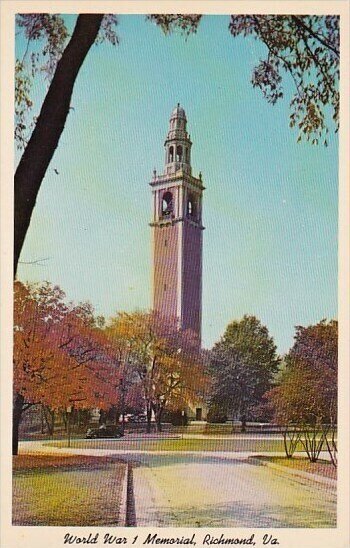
307	48
187	24
216	414
51	31
243	365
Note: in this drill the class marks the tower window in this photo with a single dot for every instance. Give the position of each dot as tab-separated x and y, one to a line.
167	203
191	207
179	153
165	243
171	154
164	287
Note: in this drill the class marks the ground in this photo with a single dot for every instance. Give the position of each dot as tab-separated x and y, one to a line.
240	482
322	468
214	492
62	490
239	442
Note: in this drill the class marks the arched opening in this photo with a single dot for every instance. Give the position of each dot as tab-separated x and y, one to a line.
179	153
171	154
167	203
191	207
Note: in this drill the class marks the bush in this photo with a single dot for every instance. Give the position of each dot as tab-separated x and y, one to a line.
216	415
175	418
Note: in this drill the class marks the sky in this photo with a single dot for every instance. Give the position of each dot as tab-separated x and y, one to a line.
270	206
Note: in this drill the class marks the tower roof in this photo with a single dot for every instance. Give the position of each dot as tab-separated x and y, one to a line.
178	112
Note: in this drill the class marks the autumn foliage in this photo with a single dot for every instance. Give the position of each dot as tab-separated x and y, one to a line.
61	358
307	392
164	360
65	358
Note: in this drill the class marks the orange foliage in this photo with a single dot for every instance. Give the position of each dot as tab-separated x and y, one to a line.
61	357
166	360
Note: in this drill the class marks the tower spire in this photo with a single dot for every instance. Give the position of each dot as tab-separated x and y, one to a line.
177	143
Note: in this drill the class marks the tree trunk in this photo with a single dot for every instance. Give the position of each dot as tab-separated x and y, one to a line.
243	423
158	412
49	417
159	419
103	417
50	124
64	418
42	420
149	417
18	408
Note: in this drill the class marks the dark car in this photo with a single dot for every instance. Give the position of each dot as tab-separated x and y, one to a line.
137	418
104	432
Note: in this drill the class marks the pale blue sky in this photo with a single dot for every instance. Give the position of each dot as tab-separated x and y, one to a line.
270	205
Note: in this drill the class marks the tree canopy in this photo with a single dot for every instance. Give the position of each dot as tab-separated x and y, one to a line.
307	392
307	47
61	357
166	361
243	364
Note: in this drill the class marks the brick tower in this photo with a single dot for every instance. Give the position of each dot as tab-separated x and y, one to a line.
177	231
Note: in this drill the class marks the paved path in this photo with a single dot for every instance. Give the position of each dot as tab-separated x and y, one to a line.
196	489
207	491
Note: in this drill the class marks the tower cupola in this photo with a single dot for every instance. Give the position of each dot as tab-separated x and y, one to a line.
177	143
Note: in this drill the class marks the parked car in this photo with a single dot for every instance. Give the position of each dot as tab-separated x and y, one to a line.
138	418
104	431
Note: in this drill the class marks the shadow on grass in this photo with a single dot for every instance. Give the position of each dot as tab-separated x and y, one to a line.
64	491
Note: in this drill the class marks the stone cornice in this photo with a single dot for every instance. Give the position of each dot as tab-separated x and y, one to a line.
178	177
171	222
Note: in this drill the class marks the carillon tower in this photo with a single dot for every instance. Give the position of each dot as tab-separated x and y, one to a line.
177	231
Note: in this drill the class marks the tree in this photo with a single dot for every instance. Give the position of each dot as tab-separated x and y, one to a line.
44	139
243	364
60	359
62	68
165	360
307	47
306	396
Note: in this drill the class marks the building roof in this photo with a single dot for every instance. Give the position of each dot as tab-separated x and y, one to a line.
178	112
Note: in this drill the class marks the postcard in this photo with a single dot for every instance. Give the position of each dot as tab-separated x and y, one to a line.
175	273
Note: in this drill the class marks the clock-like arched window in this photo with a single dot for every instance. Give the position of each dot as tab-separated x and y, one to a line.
179	153
167	203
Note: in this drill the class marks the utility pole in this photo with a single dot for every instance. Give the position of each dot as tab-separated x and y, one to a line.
122	391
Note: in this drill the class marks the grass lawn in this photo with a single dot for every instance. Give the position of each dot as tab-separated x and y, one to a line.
66	490
321	468
262	443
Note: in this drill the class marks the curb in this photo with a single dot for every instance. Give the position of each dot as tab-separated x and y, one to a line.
123	505
299	473
130	517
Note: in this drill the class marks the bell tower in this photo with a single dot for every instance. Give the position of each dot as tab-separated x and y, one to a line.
177	231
